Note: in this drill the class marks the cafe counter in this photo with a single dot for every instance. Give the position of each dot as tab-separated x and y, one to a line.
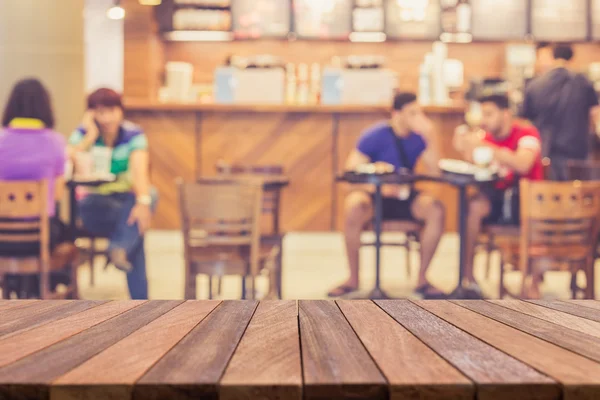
310	142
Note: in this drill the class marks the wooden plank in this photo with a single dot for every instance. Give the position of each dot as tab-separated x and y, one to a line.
578	342
419	373
579	376
40	313
19	346
29	377
192	369
266	364
126	361
554	316
336	364
574	309
595	304
6	305
497	375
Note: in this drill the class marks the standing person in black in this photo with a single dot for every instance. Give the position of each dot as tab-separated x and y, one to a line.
560	103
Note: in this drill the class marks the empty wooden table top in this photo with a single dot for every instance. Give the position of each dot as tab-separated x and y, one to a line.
396	349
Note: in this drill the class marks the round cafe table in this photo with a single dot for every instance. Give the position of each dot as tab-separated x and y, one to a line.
460	182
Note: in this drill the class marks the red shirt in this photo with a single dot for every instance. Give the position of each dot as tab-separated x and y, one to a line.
521	136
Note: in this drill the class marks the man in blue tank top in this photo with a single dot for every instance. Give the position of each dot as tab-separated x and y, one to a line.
400	142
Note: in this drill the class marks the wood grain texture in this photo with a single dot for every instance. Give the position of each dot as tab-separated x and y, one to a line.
126	361
40	313
595	304
266	364
579	376
30	376
192	369
412	369
301	142
336	364
497	375
173	155
574	309
554	316
578	342
11	304
18	346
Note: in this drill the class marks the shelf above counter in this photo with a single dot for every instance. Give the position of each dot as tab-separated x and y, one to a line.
151	105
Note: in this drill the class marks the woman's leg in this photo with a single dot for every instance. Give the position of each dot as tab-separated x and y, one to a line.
137	280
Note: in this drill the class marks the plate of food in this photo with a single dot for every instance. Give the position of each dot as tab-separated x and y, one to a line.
463	168
378	168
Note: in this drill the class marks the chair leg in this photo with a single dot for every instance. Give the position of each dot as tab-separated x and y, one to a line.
590	279
92	258
190	285
488	260
502	288
408	258
243	287
279	273
5	288
574	288
74	287
219	285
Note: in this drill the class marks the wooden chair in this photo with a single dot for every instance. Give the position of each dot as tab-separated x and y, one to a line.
24	218
560	227
271	208
221	230
411	229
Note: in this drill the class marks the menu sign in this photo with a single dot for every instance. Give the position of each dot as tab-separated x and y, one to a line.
559	20
413	19
596	19
261	18
499	20
323	19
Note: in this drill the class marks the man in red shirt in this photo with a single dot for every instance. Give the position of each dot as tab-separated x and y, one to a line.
516	149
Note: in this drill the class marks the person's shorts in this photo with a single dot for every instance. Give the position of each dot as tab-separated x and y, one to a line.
504	210
398	210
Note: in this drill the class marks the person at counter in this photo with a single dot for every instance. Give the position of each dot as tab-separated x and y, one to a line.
544	58
560	104
120	210
516	149
398	143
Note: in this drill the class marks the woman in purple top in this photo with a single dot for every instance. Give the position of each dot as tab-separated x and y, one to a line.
30	150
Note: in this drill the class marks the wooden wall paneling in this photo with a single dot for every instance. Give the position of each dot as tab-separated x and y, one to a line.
301	142
172	137
144	56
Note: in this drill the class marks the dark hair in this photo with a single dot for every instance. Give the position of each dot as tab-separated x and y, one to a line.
402	99
500	100
29	99
542	45
104	98
563	52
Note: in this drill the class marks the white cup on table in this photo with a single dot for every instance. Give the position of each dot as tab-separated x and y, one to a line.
102	157
482	158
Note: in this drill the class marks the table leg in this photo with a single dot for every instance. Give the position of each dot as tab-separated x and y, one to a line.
72	210
377	293
463	212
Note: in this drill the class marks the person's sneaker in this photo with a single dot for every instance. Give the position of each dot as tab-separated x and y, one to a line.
119	258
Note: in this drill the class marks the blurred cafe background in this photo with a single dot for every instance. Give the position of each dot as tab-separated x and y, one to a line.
292	84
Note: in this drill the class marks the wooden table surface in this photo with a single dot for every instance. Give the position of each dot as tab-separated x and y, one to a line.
395	349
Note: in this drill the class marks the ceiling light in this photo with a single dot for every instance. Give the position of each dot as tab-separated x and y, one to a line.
150	2
116	11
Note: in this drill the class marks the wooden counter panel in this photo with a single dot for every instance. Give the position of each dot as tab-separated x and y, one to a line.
301	142
171	136
353	125
136	104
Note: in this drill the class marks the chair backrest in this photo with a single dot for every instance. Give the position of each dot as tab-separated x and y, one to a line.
23	212
270	203
583	170
224	213
559	213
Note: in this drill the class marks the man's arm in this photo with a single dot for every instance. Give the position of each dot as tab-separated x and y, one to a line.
431	155
355	159
522	160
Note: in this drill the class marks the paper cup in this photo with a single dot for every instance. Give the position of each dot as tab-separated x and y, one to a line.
102	157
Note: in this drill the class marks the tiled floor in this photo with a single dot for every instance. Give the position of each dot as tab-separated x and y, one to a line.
313	264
